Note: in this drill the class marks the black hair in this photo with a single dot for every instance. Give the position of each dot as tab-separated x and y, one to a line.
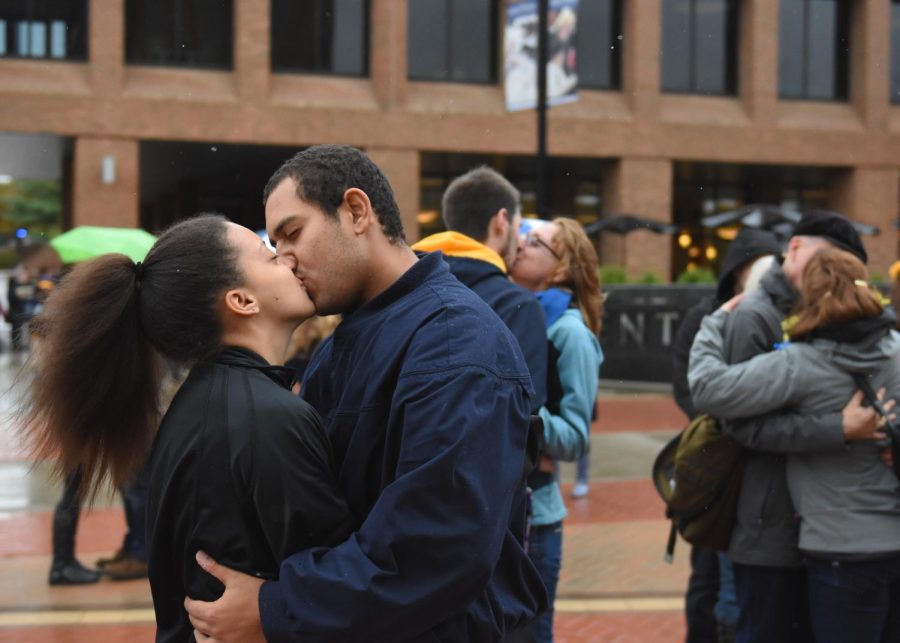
472	200
94	402
324	172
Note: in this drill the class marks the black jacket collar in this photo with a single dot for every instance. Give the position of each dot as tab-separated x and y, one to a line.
859	329
245	358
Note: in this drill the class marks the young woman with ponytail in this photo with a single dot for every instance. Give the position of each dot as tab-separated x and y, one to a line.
240	467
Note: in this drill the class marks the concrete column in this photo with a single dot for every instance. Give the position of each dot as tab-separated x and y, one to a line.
870	50
871	195
106	46
387	52
252	40
107	204
758	60
642	187
401	167
641	27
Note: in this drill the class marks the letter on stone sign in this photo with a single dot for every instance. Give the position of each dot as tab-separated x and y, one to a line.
632	329
667	319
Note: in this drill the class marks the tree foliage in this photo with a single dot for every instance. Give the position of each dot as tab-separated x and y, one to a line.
31	203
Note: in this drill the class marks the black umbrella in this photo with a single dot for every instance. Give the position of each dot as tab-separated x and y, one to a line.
625	223
779	220
753	216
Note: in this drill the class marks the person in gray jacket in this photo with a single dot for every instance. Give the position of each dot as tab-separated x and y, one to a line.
769	577
848	500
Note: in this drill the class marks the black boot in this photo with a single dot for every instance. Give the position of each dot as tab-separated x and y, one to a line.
65	568
71	573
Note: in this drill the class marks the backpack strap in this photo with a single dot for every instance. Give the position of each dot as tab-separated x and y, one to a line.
862	381
670	546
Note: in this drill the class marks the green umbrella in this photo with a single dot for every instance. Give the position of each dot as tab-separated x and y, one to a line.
87	241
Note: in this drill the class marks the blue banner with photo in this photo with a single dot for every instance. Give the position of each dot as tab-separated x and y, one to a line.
520	50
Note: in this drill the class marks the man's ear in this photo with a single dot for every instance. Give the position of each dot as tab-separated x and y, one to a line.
241	302
499	224
360	208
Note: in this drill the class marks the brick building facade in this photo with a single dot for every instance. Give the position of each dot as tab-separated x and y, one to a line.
636	137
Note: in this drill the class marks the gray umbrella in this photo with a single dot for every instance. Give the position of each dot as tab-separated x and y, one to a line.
753	216
625	223
779	220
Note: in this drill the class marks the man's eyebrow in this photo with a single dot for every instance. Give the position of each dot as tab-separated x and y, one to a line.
279	227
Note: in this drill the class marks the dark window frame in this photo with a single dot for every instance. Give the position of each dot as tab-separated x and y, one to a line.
174	63
494	47
841	72
367	52
732	47
616	59
11	39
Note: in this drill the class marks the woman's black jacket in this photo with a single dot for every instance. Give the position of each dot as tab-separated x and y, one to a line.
242	469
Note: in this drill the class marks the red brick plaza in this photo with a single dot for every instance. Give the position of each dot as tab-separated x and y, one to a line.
614	584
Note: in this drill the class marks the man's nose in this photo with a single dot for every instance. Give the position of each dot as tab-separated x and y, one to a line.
289	260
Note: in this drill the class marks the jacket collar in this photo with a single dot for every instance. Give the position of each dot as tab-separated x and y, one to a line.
428	266
775	283
858	330
455	244
245	358
555	302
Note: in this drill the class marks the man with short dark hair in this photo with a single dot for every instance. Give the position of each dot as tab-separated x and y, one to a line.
426	399
482	212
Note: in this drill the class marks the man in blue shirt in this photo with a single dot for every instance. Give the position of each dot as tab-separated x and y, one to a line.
426	400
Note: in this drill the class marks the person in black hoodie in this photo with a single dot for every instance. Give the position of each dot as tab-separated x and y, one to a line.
240	467
704	621
748	246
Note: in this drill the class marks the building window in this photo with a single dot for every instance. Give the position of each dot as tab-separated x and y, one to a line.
179	33
814	49
452	40
321	36
698	54
704	189
895	51
599	42
49	29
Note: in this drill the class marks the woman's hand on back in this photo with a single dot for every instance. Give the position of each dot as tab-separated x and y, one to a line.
732	303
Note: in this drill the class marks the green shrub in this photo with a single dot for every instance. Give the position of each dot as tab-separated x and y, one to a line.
649	279
697	276
613	275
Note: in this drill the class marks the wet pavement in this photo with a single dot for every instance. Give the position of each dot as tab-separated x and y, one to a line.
614	585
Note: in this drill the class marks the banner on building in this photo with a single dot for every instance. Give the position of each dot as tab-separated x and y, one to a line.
520	48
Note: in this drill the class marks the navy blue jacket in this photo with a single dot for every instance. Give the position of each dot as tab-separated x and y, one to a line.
426	400
518	308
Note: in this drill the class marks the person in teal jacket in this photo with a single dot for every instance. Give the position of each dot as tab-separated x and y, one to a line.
557	262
